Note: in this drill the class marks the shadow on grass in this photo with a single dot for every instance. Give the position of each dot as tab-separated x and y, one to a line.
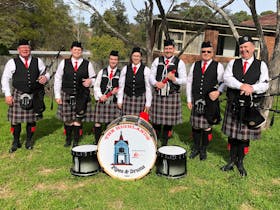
48	126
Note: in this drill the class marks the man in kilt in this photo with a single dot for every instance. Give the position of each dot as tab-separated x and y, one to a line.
105	90
73	78
204	85
28	75
245	76
168	73
134	95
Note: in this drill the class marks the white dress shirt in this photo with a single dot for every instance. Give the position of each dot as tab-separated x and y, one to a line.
97	88
10	69
148	92
59	74
259	87
220	73
182	73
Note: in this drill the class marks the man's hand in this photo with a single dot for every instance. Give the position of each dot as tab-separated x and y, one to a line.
171	76
246	89
86	82
103	98
58	101
9	100
42	79
120	106
115	90
189	104
214	95
160	85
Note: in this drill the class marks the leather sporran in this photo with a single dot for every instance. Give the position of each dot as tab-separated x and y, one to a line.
26	101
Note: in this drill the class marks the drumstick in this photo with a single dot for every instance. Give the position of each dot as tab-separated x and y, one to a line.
108	95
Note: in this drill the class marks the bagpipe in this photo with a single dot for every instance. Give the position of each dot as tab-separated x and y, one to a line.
210	109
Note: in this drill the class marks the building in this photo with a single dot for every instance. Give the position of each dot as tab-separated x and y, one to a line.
220	34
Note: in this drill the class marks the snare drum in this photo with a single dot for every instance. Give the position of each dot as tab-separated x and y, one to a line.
171	161
84	160
127	148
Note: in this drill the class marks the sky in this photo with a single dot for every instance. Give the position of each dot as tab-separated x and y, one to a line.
238	5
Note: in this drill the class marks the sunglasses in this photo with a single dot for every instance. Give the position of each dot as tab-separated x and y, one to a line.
204	51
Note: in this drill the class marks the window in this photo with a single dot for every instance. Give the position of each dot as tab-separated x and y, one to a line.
181	37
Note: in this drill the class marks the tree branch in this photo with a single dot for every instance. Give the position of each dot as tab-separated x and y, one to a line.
120	36
203	28
163	18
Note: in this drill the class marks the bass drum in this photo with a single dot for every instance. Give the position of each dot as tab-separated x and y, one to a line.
127	148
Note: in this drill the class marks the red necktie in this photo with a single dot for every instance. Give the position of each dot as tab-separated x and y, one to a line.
111	74
26	63
203	67
134	69
76	66
166	63
245	67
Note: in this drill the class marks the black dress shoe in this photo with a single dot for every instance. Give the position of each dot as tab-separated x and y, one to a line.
228	167
67	144
193	154
203	155
75	144
241	169
13	149
29	145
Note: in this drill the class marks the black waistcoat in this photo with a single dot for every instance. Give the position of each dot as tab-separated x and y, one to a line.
105	79
25	79
204	83
161	65
135	84
71	80
251	77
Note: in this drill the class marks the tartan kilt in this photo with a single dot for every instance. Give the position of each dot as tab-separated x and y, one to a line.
166	110
133	105
230	128
199	121
18	115
66	112
105	113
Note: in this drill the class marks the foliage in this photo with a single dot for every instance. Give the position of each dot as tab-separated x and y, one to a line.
40	179
45	22
3	50
241	16
268	12
115	17
101	47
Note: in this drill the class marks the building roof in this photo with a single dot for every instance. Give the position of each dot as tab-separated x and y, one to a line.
266	21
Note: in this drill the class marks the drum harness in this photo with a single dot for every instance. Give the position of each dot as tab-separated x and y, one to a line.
109	90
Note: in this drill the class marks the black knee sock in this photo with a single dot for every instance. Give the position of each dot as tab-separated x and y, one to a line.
30	129
76	131
206	137
68	133
197	135
166	130
157	129
97	133
16	129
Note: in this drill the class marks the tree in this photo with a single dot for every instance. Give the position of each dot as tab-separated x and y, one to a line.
102	45
268	12
241	16
42	21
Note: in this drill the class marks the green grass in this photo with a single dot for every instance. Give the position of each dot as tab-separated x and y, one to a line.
40	179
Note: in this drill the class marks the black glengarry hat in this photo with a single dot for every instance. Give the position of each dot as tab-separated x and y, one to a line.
114	53
23	42
76	44
245	39
206	44
168	42
136	49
